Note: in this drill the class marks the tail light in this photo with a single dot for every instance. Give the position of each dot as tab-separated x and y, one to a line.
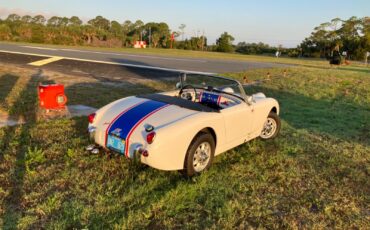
150	137
91	118
145	153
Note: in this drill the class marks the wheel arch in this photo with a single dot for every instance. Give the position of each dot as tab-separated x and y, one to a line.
274	109
211	131
204	130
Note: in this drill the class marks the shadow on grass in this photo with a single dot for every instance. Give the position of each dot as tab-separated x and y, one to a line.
7	83
16	140
96	94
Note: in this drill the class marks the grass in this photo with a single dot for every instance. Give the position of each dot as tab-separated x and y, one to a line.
313	175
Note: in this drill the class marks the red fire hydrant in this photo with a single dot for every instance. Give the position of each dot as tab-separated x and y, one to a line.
52	96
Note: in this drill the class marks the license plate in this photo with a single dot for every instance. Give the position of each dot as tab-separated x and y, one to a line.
116	144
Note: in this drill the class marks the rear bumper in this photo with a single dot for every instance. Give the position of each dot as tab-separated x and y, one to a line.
135	155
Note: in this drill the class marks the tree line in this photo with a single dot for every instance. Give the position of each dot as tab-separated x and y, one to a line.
96	32
351	35
105	33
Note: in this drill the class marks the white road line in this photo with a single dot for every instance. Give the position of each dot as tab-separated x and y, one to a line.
108	62
116	54
163	58
134	55
32	54
39	48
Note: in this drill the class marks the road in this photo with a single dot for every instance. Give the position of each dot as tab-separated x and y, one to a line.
174	64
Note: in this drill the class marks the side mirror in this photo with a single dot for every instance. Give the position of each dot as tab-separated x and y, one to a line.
178	85
250	100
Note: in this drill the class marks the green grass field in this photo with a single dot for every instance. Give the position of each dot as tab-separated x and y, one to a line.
315	174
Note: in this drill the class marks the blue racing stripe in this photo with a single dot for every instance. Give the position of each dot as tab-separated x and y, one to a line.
122	126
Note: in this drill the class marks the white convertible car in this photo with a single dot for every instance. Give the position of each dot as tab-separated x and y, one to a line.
184	129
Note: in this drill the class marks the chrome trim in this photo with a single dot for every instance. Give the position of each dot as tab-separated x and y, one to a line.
90	147
95	151
137	151
149	128
92	130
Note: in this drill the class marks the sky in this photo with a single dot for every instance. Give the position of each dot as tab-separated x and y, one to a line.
285	22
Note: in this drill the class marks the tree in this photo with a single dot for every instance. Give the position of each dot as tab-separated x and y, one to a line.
75	21
89	33
64	21
39	19
5	32
182	31
224	43
13	17
25	32
99	22
160	33
349	34
351	37
38	34
75	32
54	21
26	19
127	26
155	39
116	29
254	48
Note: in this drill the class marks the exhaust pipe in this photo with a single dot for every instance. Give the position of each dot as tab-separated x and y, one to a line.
95	151
90	147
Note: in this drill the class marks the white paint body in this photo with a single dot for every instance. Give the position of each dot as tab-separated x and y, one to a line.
176	127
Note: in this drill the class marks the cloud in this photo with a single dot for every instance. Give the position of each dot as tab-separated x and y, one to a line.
4	12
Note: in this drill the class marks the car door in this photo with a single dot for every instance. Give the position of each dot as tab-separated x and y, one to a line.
238	122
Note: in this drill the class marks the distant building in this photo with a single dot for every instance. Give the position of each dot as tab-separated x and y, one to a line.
140	44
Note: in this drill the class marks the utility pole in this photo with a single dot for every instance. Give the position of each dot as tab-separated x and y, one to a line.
150	36
203	41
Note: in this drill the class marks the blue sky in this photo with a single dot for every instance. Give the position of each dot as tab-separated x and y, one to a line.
285	22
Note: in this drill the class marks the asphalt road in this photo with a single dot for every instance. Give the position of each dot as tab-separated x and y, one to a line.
102	72
133	60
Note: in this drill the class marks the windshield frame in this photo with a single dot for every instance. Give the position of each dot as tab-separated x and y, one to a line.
243	95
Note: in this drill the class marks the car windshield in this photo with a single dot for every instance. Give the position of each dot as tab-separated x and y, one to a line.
225	85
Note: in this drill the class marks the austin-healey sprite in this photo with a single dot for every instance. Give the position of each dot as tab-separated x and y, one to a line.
186	128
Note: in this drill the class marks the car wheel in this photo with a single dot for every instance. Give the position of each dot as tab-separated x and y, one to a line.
271	128
200	154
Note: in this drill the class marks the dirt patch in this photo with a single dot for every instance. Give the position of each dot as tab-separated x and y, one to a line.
69	112
6	120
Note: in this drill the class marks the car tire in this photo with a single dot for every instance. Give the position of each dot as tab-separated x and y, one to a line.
200	154
271	127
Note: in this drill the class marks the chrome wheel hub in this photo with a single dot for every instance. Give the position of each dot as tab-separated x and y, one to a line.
202	156
269	128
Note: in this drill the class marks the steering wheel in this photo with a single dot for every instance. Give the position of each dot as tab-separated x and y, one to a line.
188	97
